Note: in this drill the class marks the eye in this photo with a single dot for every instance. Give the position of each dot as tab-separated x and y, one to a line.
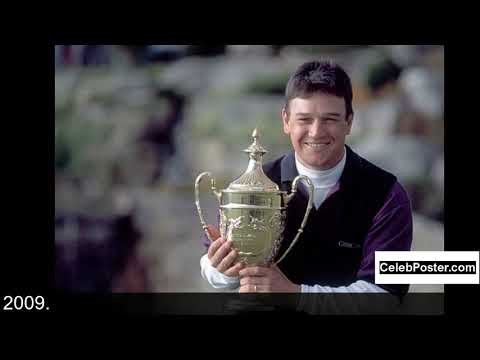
331	120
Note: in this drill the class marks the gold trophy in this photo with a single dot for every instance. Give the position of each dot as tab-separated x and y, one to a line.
253	209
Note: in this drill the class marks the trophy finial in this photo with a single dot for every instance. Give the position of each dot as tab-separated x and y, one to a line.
255	149
254	179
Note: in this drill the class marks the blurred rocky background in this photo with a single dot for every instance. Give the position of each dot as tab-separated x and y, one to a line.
134	126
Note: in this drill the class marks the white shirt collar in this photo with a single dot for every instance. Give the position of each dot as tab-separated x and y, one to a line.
323	178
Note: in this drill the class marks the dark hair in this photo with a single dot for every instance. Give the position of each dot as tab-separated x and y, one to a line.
320	77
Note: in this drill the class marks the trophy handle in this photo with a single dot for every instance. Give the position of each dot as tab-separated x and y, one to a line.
197	199
307	212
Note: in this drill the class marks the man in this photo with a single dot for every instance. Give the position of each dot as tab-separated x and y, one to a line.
359	208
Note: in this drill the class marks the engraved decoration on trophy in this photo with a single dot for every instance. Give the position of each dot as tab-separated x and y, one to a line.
252	210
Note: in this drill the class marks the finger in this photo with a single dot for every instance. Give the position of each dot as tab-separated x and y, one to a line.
247	280
233	271
254	280
227	261
251	289
247	289
213	231
254	271
221	253
214	246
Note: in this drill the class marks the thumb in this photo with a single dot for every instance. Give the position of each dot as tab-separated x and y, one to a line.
213	231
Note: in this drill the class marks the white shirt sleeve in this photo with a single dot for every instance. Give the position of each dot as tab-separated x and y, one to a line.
343	304
359	286
215	277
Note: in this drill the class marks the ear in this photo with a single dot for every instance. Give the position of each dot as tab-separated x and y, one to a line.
349	123
286	124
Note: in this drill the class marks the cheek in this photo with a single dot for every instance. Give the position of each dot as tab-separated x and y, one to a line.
297	134
339	133
299	131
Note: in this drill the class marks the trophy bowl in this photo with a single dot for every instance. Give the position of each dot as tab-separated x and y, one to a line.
252	210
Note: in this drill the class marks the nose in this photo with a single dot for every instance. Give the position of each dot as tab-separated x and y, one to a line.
316	129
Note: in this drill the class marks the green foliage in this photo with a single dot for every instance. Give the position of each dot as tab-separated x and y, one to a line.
77	140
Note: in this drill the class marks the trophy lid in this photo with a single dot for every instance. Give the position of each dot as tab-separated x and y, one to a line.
254	179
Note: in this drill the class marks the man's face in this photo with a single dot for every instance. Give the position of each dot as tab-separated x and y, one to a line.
317	127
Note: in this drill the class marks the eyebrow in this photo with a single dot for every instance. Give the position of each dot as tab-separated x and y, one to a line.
322	115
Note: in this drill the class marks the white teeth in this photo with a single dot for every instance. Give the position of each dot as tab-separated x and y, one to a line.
316	145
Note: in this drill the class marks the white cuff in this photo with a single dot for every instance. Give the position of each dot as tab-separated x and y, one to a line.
360	286
311	304
215	277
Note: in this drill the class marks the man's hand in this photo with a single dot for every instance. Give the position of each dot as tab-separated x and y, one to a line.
265	279
222	255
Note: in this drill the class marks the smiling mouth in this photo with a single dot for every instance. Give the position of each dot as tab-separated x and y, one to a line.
317	145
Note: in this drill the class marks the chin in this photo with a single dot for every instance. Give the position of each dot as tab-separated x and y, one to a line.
316	164
321	166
